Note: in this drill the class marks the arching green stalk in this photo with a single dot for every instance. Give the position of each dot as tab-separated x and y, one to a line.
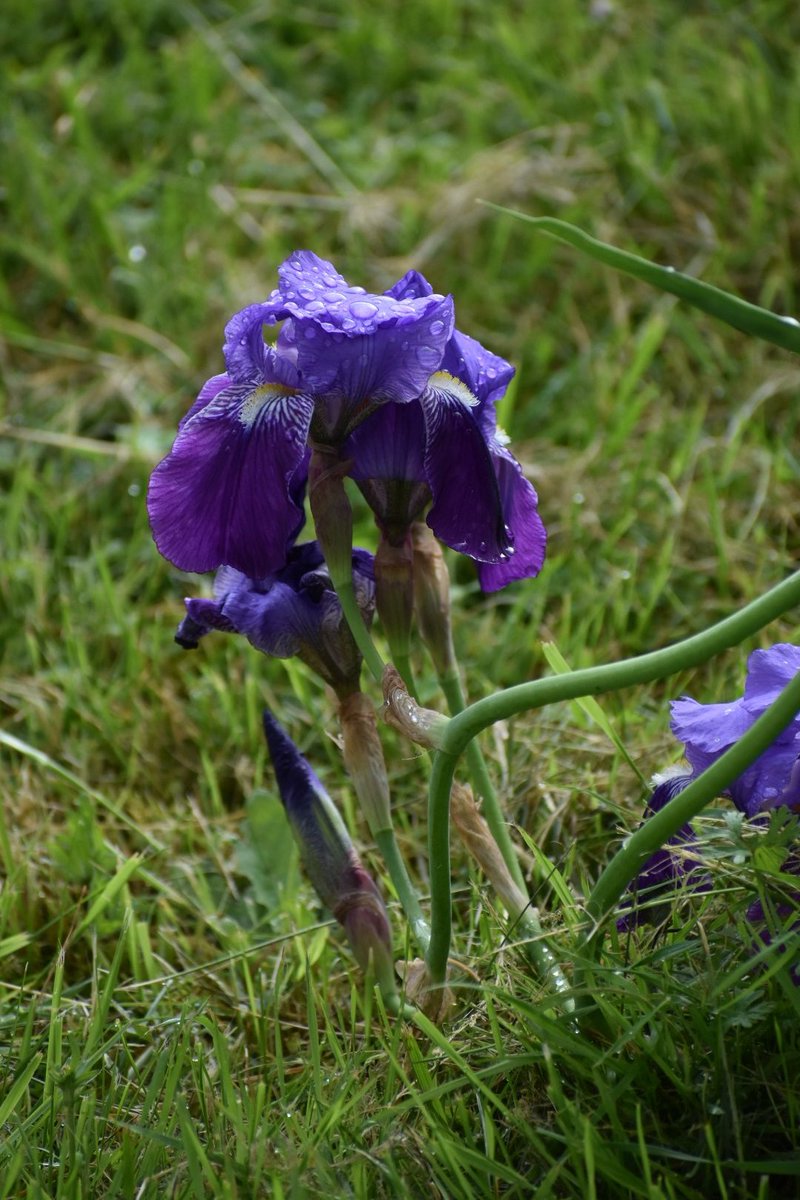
592	681
481	780
657	829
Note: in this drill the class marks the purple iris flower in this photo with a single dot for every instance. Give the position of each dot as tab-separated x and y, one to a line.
229	492
386	381
708	730
445	446
294	611
339	878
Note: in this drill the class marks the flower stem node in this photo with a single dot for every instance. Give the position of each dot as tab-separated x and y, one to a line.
424	726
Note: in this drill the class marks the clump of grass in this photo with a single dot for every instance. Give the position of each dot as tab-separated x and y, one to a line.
176	1015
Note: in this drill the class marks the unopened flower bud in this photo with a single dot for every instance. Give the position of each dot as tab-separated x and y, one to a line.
328	855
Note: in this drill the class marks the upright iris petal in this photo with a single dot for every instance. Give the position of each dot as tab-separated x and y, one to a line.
354	350
482	503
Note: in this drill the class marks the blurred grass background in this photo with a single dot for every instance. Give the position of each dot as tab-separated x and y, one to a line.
157	161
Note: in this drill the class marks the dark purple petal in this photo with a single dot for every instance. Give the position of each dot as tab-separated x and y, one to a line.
211	388
390	444
519	503
247	355
225	492
313	294
671	867
390	361
467	512
771	781
411	287
486	375
768	673
387	453
707	730
276	622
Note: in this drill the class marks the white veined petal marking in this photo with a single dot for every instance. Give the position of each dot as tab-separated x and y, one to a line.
443	381
272	395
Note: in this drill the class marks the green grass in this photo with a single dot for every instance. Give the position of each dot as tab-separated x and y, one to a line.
176	1015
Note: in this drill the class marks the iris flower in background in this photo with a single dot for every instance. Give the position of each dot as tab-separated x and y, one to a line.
230	490
707	731
293	611
334	868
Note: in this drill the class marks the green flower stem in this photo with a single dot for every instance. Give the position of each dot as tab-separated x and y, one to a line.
361	635
657	829
589	682
541	956
403	664
441	781
456	702
395	864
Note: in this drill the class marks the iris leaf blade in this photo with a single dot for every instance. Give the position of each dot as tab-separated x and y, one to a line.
740	314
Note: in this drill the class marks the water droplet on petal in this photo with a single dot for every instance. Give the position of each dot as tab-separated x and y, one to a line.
428	357
310	332
437	327
363	309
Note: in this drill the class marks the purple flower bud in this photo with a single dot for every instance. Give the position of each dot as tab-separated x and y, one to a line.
328	855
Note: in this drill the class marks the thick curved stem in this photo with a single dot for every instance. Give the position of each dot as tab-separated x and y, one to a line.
593	681
481	780
627	862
